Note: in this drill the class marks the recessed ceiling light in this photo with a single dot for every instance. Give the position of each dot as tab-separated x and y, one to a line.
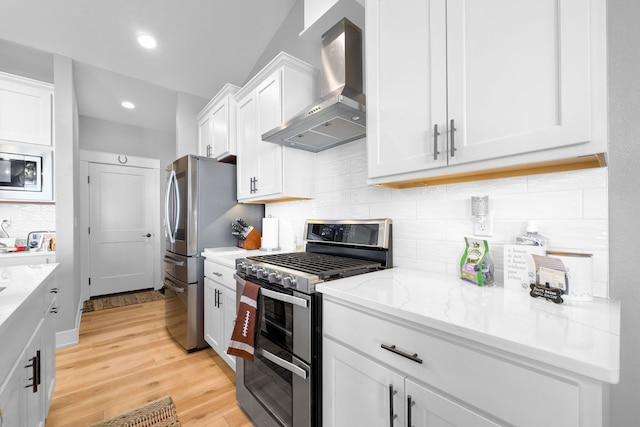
147	41
128	105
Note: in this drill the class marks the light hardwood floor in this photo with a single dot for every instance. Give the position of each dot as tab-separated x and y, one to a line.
126	358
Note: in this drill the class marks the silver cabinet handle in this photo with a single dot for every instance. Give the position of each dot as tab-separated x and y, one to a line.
453	142
393	349
435	142
283	363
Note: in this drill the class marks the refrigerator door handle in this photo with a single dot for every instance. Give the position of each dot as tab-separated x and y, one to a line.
177	202
171	229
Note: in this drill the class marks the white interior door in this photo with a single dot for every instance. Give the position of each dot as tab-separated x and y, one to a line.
121	236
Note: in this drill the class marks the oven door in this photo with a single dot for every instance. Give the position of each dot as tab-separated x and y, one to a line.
286	318
276	388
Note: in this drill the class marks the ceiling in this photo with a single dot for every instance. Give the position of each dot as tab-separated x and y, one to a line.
202	44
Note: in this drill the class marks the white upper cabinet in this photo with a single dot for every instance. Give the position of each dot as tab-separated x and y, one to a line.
217	126
25	110
497	82
268	171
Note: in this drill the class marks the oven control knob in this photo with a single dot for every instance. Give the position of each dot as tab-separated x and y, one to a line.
248	268
262	273
254	269
289	282
275	277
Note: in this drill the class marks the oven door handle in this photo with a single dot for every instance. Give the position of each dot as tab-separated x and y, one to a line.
283	363
277	295
284	297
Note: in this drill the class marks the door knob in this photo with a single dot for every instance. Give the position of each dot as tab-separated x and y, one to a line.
146	235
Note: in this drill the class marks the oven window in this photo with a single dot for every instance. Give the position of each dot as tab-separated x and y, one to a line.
277	322
271	384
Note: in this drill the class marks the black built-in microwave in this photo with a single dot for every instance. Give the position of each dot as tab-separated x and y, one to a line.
25	173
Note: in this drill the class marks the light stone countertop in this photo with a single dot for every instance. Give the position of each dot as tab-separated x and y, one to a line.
26	254
19	282
581	337
228	256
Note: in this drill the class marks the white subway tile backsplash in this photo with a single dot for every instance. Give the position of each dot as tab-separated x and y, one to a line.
572	180
446	208
27	217
595	203
487	187
542	205
421	193
394	210
370	195
428	230
578	236
430	223
404	248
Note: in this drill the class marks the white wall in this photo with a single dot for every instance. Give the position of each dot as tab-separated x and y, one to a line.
624	207
112	137
430	223
66	195
286	39
187	108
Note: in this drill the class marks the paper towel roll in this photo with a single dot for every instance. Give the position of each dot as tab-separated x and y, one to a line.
269	233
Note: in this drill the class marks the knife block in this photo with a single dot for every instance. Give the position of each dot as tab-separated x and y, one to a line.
252	241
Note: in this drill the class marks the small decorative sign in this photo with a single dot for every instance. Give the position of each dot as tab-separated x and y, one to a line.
519	267
551	294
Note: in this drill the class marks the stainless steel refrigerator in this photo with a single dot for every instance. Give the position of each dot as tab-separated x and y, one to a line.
200	204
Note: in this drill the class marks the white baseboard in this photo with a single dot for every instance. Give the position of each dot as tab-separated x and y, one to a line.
72	336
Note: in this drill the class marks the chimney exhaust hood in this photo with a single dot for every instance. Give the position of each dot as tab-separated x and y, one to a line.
339	116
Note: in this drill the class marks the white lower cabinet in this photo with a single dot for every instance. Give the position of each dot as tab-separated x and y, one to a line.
27	368
359	391
219	308
386	371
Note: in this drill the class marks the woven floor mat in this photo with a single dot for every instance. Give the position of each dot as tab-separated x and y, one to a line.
158	413
121	300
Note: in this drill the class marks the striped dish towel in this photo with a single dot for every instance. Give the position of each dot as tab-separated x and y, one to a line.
243	337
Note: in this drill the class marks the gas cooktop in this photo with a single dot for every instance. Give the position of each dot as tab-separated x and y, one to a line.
326	267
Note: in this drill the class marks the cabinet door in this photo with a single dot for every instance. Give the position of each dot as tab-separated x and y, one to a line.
518	76
49	355
269	101
228	306
428	409
205	136
12	411
32	365
212	314
248	135
220	130
406	85
356	391
25	111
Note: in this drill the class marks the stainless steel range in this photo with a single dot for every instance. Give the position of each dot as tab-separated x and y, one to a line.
282	386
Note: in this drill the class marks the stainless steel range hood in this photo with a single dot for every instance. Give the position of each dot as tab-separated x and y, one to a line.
339	116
